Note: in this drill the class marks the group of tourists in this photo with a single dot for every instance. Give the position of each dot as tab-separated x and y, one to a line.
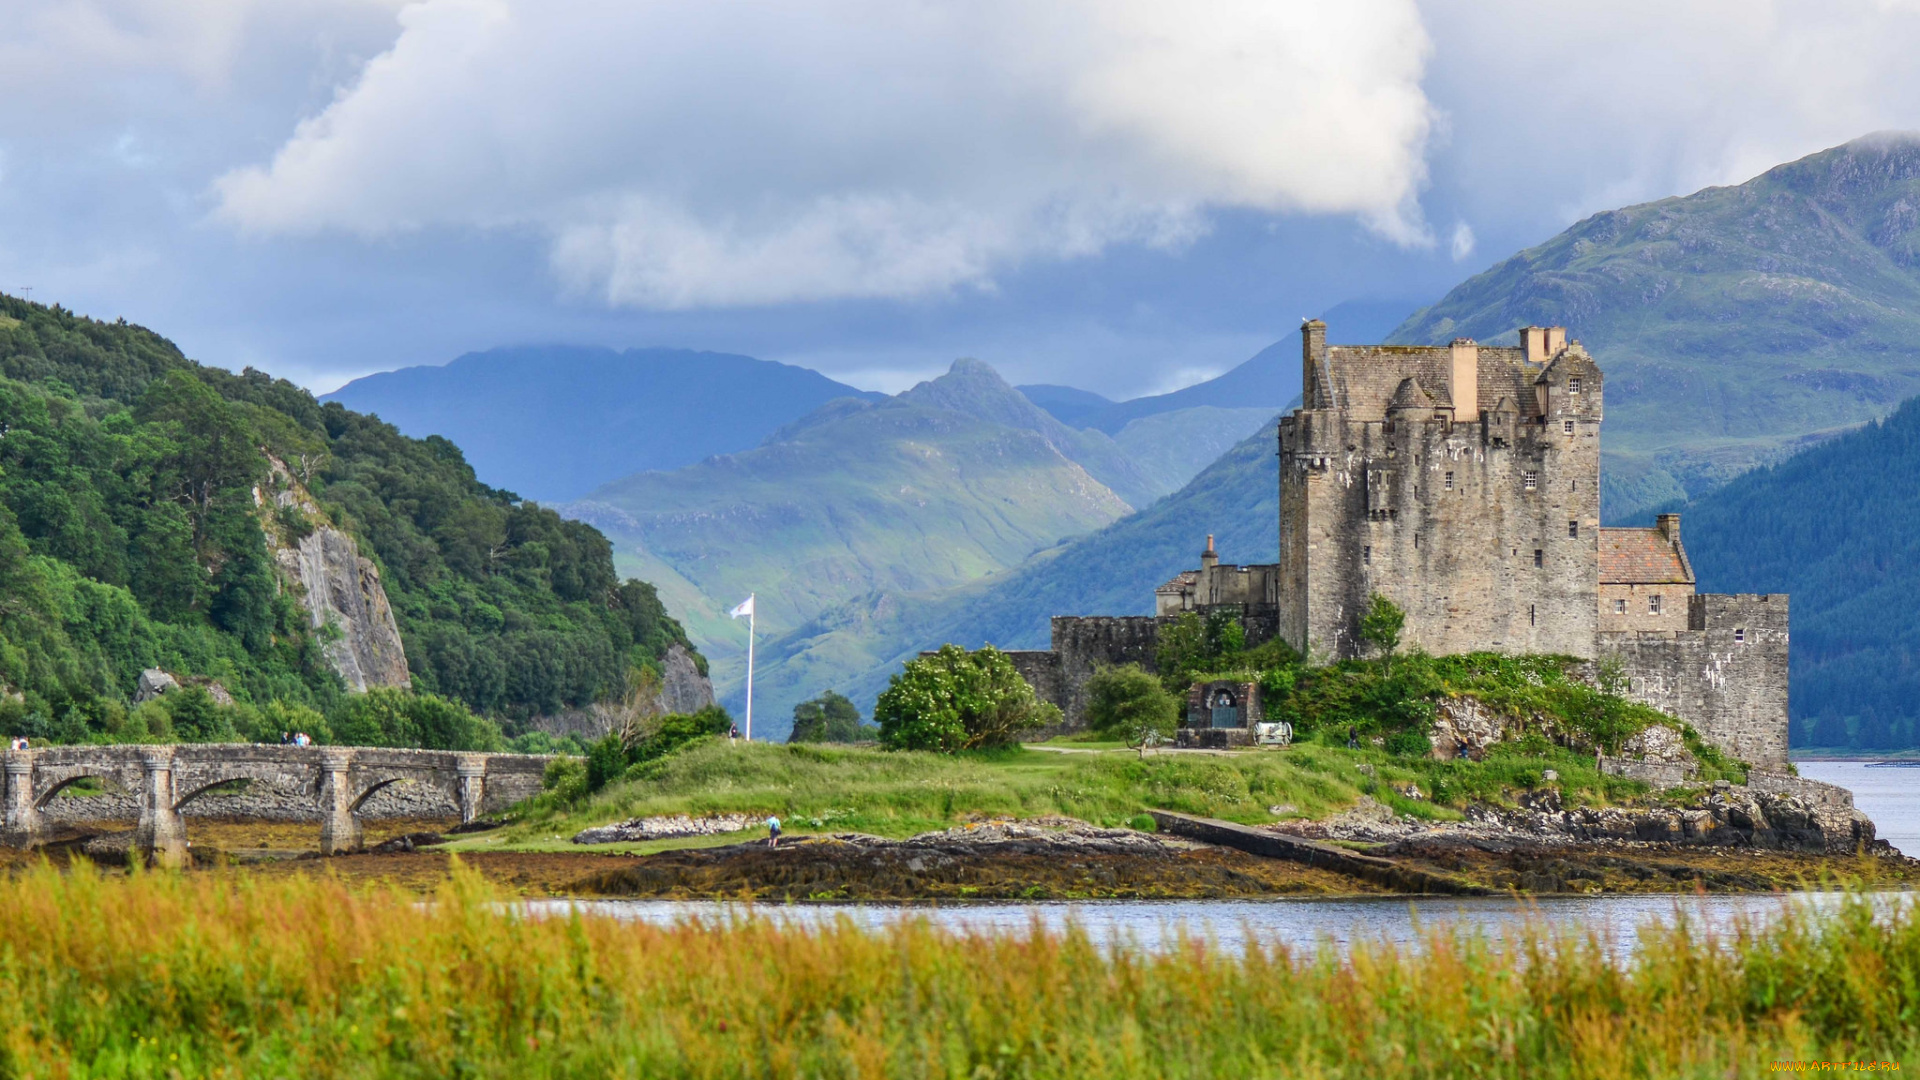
295	738
19	743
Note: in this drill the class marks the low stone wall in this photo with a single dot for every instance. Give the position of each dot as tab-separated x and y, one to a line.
1660	774
1831	804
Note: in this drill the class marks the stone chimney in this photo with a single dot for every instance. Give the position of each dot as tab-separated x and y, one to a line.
1313	357
1208	560
1533	339
1556	339
1464	385
1669	526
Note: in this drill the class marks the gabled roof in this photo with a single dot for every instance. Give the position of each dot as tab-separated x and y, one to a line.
1181	582
1641	557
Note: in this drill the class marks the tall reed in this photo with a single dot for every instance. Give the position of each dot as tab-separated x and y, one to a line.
202	974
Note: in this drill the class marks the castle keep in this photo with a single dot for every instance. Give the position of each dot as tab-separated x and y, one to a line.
1462	482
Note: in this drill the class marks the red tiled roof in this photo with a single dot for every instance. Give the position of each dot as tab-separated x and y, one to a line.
1640	557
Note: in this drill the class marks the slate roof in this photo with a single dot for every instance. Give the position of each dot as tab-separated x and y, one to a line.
1641	557
1186	580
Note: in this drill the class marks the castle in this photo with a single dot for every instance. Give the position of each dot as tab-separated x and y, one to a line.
1462	482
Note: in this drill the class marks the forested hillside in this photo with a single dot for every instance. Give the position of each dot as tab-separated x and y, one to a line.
131	537
1833	526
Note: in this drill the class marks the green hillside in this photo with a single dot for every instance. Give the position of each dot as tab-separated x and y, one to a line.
856	646
1833	526
1734	324
917	493
130	537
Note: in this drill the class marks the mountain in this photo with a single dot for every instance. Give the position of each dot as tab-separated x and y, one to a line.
856	646
946	483
1735	324
975	389
1832	526
155	512
554	422
1068	405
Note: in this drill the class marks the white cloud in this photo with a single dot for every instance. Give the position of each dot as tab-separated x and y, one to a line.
1571	109
743	152
1461	245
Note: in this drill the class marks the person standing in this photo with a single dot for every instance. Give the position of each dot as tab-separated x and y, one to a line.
773	831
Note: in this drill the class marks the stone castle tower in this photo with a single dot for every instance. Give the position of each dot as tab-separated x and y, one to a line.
1462	482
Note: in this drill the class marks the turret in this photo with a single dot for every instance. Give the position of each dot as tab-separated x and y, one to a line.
1208	560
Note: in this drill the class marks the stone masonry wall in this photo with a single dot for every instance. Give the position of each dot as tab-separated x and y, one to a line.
1440	518
1084	643
1726	674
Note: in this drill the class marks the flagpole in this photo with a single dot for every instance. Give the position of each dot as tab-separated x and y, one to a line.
750	614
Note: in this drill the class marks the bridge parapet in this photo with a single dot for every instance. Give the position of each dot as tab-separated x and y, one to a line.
339	779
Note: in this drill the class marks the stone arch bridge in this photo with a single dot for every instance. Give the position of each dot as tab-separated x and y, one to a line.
337	778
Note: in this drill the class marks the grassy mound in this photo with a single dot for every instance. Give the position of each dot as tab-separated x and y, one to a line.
899	793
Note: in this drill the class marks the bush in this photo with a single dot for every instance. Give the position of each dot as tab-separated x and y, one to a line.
612	757
387	716
1128	704
959	700
565	778
829	718
1409	742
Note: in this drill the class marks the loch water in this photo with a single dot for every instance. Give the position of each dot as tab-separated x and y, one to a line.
1889	794
1299	924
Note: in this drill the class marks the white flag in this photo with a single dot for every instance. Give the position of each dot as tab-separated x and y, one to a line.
745	608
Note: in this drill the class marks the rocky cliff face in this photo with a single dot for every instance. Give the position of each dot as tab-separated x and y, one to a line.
682	688
340	587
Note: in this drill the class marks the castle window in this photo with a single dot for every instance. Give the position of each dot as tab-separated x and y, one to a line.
1573	385
1540	557
1739	634
1416	541
1530	621
1619	607
1573	529
1366	555
1449	482
1569	427
1530	480
1653	605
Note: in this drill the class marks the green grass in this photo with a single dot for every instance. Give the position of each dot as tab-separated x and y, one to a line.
202	975
815	788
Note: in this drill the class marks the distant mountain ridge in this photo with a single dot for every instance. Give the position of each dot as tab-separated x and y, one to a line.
1734	324
938	486
553	422
856	646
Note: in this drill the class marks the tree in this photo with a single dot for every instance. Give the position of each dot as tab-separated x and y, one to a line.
1192	645
1381	626
1128	704
828	718
385	716
959	700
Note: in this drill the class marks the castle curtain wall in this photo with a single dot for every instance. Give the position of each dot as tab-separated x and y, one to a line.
1726	674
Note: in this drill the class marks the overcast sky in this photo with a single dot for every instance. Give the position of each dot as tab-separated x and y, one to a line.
1124	195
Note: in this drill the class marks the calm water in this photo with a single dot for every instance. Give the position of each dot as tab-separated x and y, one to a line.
1890	796
1300	924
